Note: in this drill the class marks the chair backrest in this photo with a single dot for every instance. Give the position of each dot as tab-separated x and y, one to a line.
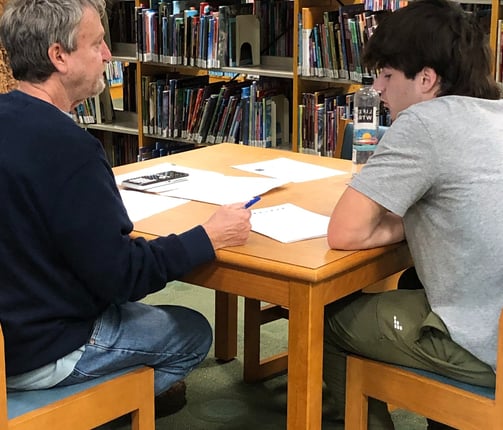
347	140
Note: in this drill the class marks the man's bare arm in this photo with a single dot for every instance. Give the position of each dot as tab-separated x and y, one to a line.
358	222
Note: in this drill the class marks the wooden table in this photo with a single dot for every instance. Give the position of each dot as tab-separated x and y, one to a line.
302	276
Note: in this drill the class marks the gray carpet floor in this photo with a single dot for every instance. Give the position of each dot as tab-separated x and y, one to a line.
218	399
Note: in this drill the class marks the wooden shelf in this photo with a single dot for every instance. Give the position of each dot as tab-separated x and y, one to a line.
125	122
276	67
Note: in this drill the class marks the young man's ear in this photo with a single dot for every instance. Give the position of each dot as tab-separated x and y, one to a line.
429	81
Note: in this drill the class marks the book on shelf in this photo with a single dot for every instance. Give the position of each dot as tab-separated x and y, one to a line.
138	19
232	88
233	134
251	113
325	51
222	57
318	109
177	89
152	104
355	72
200	108
202	49
145	102
244	123
84	112
301	131
188	17
317	61
119	148
122	22
345	13
179	38
226	121
164	44
281	120
206	118
276	29
309	16
151	38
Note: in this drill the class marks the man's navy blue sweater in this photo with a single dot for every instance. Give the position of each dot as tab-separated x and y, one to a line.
65	249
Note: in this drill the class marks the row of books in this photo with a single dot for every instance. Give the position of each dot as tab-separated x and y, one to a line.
113	72
123	148
161	149
119	148
95	110
202	36
99	109
331	41
87	112
318	115
191	108
276	27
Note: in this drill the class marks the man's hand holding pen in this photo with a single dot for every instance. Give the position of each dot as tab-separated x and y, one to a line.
229	225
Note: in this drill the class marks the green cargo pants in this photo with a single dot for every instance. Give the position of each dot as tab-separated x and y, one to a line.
397	327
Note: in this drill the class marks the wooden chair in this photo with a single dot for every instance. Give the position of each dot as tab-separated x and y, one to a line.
462	406
81	406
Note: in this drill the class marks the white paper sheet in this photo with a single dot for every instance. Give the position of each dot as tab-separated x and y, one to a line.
223	190
289	170
289	223
142	205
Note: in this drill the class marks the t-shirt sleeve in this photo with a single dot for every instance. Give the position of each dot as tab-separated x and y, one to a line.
402	169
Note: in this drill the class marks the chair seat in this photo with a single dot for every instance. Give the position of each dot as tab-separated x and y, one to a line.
475	389
21	402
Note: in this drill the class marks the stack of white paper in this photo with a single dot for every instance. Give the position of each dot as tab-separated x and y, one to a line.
289	223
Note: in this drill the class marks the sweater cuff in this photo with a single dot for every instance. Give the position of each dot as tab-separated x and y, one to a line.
197	245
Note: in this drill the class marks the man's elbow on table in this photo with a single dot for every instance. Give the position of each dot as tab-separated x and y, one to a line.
349	221
340	237
357	222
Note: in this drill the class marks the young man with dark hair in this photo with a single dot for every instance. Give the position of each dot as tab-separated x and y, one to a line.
436	180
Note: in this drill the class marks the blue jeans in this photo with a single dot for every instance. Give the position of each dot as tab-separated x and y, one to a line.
170	339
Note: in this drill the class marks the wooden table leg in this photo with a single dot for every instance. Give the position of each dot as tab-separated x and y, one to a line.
226	326
305	358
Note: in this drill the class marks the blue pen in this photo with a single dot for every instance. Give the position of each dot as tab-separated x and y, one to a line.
252	202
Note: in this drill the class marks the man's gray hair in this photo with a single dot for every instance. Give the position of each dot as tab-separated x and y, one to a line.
29	27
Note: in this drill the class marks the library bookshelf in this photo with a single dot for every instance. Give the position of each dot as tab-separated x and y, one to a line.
286	69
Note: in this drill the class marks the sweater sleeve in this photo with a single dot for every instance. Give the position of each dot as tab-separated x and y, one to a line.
92	230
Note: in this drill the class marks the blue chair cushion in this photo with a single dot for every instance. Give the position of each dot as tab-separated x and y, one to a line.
475	389
21	402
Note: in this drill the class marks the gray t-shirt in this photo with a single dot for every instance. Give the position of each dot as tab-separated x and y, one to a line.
440	167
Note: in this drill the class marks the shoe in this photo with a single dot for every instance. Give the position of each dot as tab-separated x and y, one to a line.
434	425
172	400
